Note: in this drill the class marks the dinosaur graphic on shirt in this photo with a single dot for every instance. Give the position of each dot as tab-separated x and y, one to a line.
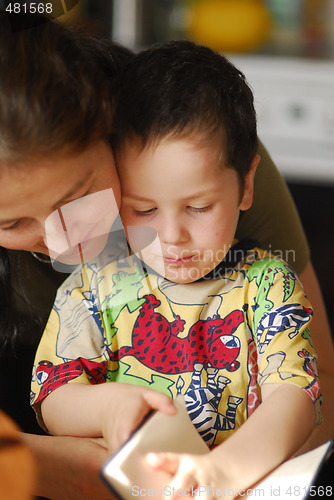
203	400
156	345
264	272
123	293
51	376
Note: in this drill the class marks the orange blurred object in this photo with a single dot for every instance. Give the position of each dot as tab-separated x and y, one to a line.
17	467
230	25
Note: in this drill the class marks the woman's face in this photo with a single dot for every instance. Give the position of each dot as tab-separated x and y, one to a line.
45	207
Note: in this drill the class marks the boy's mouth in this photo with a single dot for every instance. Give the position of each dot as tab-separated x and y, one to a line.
178	262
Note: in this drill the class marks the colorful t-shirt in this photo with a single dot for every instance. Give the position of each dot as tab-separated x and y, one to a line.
215	341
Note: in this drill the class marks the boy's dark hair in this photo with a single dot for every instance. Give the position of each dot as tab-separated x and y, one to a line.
56	87
180	89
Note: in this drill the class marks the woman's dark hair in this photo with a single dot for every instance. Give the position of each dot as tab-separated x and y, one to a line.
8	324
57	95
56	87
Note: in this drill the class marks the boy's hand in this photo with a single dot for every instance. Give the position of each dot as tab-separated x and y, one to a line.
133	403
191	472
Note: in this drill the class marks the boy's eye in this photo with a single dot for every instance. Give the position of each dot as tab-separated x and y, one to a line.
142	213
201	209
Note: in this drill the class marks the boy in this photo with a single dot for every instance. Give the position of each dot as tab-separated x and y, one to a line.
193	311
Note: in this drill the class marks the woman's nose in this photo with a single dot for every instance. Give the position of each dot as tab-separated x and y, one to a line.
66	229
37	233
55	234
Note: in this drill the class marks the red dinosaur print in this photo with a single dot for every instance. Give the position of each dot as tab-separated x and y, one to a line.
310	365
53	376
156	345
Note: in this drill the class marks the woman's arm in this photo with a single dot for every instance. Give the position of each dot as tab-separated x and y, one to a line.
68	467
110	410
324	347
274	221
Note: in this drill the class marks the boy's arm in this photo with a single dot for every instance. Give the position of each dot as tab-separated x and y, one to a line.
111	410
271	435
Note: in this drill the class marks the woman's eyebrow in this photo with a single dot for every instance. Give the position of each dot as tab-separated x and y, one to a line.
66	196
74	189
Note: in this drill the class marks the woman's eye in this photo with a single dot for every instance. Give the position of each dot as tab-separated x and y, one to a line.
201	209
142	213
10	228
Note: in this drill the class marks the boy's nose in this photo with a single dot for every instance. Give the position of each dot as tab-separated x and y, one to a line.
173	231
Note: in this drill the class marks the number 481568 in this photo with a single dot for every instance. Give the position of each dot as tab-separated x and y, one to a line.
31	7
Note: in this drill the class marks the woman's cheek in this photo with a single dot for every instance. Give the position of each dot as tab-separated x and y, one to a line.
14	241
127	216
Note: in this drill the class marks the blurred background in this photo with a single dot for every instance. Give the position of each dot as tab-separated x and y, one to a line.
286	50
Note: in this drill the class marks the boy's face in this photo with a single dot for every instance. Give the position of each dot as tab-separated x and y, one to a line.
182	191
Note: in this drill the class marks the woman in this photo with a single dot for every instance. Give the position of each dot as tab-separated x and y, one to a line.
57	95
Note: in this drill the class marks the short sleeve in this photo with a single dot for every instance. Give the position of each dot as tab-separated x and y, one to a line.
72	346
281	319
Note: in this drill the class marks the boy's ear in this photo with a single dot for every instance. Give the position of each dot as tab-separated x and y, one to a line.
247	198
